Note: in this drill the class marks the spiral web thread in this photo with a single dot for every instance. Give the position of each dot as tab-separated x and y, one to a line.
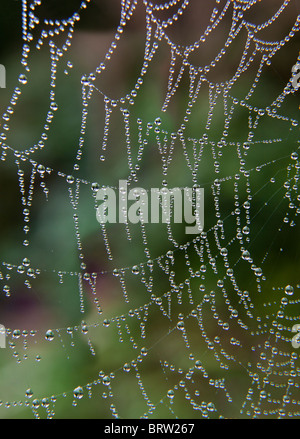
207	323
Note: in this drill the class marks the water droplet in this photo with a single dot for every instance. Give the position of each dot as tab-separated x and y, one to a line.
180	325
144	351
171	394
263	394
30	272
198	364
26	262
229	272
106	380
78	392
45	402
170	254
126	367
135	269
6	290
258	271
211	407
95	187
289	290
224	251
53	106
16	333
246	255
84	328
84	81
35	403
23	79
70	179
28	393
41	169
49	335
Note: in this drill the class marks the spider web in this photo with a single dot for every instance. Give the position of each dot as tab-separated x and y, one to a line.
142	320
